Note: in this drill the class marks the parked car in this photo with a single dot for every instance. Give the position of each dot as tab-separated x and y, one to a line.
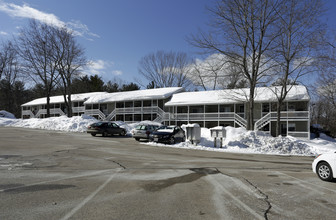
324	166
143	131
105	129
168	134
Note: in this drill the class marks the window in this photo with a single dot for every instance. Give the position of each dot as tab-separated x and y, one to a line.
291	127
265	107
291	108
155	102
147	103
128	104
120	105
137	103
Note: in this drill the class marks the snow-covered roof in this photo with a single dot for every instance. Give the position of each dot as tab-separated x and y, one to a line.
160	93
230	96
60	98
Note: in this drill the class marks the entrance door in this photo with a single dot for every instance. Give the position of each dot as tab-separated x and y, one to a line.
284	129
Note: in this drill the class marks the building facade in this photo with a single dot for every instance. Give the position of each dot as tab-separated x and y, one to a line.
230	108
174	106
37	108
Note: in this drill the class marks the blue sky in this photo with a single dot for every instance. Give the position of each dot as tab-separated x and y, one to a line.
116	34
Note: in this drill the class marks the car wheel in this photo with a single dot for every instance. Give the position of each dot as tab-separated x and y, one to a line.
172	140
324	171
122	133
183	139
137	139
93	134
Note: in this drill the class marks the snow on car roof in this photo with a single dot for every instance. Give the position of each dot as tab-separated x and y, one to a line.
159	93
60	98
230	96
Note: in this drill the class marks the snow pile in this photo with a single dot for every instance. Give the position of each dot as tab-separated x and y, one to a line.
62	123
237	140
5	114
259	142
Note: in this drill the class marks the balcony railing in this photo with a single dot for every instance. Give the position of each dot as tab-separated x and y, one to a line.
78	109
138	110
228	116
28	112
201	116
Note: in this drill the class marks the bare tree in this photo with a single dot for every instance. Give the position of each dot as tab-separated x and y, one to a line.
71	59
166	69
9	67
300	30
9	74
37	51
243	31
215	72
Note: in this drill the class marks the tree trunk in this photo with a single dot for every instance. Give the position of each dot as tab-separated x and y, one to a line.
278	123
69	106
250	121
48	106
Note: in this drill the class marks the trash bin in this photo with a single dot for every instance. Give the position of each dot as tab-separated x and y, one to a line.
218	132
193	133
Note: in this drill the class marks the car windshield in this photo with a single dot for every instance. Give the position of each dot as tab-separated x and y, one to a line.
164	127
141	127
97	124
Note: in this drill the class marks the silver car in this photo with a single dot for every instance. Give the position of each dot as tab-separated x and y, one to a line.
143	131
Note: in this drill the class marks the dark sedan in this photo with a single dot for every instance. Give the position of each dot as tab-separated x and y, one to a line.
168	134
105	129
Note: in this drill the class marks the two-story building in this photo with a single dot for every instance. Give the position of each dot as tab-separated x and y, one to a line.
131	106
175	106
230	108
37	107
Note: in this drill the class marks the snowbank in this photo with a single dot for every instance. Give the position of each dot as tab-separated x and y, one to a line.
237	140
63	123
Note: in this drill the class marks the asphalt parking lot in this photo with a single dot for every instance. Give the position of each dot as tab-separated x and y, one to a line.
57	175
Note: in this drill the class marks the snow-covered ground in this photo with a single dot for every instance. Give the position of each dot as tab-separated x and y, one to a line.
237	139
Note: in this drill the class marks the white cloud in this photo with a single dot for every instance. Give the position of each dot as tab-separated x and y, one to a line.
102	68
97	67
25	11
117	72
3	33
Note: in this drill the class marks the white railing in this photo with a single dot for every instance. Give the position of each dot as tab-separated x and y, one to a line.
158	119
283	116
138	110
132	110
291	115
96	112
78	109
240	121
28	112
230	116
53	111
262	122
111	115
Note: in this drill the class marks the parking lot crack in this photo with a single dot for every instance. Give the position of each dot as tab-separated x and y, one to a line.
119	164
266	199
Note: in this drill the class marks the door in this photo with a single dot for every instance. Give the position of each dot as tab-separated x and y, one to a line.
284	129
